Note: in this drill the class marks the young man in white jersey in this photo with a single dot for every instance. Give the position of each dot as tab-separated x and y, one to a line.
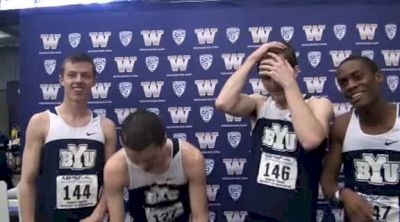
65	152
288	135
165	178
366	141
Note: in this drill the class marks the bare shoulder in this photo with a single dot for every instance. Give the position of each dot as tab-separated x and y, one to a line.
107	124
339	126
260	100
318	101
191	156
116	168
39	123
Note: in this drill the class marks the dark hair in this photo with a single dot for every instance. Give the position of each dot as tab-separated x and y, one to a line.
371	65
288	53
81	57
141	129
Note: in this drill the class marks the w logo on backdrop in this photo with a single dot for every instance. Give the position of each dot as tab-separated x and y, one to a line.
287	32
211	216
152	63
392	82
125	88
179	36
314	57
179	87
50	65
206	61
125	37
206	113
391	30
235	191
232	34
234	138
100	64
209	166
74	39
340	31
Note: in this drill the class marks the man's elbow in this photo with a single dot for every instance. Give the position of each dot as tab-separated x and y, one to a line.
312	142
222	105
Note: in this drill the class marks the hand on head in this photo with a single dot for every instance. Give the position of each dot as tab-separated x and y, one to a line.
278	69
258	54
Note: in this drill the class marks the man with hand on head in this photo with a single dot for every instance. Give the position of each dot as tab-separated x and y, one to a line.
366	141
66	148
288	136
165	178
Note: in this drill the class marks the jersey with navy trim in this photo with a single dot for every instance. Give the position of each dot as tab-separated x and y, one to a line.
283	176
159	198
71	170
371	166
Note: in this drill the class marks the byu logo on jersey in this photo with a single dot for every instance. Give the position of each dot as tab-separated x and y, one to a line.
206	61
181	136
74	39
125	37
340	31
377	169
179	87
77	157
287	32
206	113
209	166
234	138
368	53
235	190
100	64
152	63
392	82
50	65
314	57
179	36
211	216
125	88
232	33
391	30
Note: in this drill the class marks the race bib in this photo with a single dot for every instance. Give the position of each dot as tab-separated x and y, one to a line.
165	214
76	191
386	208
277	171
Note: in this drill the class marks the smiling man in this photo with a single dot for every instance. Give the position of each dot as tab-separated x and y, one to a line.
367	141
66	148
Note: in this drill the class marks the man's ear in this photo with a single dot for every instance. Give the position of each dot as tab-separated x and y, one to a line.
379	76
61	79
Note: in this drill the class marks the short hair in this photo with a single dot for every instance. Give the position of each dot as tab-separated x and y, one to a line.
141	129
288	53
80	57
369	63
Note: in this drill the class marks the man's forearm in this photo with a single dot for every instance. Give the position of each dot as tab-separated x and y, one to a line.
27	195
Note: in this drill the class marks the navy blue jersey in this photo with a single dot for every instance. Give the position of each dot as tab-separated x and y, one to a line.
371	166
70	172
283	177
159	198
